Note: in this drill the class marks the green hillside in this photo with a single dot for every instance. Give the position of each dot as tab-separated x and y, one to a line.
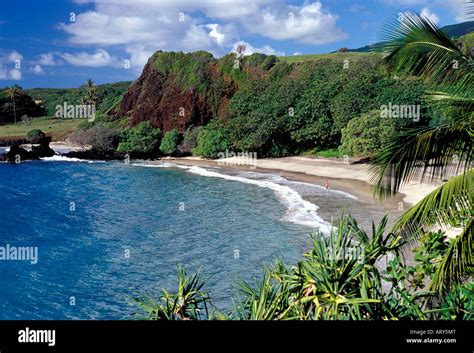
51	97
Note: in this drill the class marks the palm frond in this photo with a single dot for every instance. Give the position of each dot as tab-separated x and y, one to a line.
448	205
436	152
458	260
415	45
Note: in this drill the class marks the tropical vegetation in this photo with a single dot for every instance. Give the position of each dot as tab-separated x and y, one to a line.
443	152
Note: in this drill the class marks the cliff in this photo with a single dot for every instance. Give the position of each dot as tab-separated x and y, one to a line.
178	90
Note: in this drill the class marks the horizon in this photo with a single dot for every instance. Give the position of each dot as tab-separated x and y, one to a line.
60	45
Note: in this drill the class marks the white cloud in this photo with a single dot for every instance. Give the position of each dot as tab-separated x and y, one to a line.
309	24
6	74
14	56
215	33
15	74
10	57
98	59
141	28
428	14
8	65
47	60
297	53
458	8
139	55
37	69
250	49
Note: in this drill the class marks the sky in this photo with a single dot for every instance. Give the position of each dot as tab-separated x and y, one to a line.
62	43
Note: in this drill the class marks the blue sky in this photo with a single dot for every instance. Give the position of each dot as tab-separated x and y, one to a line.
62	43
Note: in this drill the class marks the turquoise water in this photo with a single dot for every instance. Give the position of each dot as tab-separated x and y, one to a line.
108	231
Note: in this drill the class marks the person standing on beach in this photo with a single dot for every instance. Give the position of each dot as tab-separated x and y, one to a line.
326	184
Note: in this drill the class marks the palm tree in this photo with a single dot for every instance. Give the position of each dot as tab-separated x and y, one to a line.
12	92
91	94
416	46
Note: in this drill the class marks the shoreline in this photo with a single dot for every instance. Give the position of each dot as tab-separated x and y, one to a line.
350	178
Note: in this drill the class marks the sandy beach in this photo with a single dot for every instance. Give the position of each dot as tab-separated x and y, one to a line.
349	177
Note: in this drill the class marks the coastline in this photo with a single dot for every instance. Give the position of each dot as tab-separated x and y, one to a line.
350	178
353	178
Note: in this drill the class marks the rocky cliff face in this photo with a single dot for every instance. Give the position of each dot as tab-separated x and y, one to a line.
178	90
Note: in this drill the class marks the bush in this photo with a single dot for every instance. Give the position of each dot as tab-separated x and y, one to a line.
367	134
35	136
370	287
143	138
170	141
211	140
100	137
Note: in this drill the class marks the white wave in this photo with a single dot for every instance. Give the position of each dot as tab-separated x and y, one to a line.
58	158
279	179
298	210
161	165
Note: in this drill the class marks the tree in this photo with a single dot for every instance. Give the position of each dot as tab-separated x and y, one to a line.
170	141
143	138
366	134
14	103
417	46
211	140
12	93
101	137
91	97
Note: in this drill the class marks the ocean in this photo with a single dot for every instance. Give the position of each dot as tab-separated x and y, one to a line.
108	231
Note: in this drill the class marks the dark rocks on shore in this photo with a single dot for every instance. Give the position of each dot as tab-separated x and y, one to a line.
43	149
95	155
39	150
18	154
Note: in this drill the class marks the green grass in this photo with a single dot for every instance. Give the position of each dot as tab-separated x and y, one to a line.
58	129
311	57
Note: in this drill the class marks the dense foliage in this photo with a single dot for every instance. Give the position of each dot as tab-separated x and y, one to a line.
107	94
348	275
35	136
169	143
101	137
211	140
143	138
281	109
366	134
17	105
440	152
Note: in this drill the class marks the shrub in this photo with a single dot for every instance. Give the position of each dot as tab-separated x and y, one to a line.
211	140
366	134
35	136
368	286
143	138
101	137
170	141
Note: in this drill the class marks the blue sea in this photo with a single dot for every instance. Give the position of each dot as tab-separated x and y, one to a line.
109	231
